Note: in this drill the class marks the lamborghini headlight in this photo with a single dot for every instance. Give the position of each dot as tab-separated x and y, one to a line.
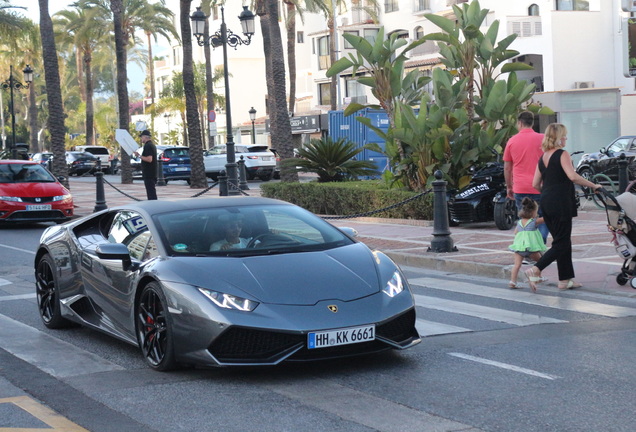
394	286
228	301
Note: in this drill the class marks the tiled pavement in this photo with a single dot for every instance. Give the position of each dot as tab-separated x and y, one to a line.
481	248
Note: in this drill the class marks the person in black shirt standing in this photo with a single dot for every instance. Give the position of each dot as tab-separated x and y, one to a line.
149	164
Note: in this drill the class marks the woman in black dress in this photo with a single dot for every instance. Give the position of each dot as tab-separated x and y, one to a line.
555	178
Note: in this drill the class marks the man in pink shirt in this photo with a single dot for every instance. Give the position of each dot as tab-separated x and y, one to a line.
521	156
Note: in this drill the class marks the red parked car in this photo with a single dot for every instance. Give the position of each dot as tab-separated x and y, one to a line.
30	193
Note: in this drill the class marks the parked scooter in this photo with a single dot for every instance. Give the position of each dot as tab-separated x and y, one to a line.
484	199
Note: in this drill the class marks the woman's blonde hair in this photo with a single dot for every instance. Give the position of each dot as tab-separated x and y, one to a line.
552	136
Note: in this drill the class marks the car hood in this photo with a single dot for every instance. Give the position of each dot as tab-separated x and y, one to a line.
346	273
38	189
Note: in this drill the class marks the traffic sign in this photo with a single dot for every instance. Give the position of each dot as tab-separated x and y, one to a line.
212	116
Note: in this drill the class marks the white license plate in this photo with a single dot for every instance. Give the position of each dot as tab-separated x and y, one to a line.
343	336
266	158
39	207
181	169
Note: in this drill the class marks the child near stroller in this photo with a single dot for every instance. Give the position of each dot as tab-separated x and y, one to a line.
620	212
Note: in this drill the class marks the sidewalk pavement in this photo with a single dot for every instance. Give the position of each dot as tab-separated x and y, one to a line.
482	249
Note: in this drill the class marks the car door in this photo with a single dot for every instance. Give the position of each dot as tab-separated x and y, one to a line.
108	284
608	163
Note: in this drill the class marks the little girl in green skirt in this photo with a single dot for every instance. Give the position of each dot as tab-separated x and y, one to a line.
528	242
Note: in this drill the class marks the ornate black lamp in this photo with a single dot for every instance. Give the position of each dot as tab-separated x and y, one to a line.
11	84
225	37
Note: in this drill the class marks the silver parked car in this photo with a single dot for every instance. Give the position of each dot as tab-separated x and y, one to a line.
223	282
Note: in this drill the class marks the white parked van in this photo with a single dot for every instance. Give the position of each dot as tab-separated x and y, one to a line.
100	152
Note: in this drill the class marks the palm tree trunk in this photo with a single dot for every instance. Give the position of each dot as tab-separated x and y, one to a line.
90	112
281	135
33	121
54	91
80	73
197	176
122	86
291	52
209	87
151	70
333	86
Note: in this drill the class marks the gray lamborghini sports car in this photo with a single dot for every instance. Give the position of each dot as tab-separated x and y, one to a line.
223	282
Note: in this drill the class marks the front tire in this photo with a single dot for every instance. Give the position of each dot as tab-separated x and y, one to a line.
154	329
48	294
505	214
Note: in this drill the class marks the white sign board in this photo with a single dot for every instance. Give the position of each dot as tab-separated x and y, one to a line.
213	131
126	141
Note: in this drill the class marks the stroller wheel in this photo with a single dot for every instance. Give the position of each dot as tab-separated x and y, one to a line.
622	279
633	283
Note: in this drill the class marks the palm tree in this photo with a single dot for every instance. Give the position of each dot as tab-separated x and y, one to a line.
53	91
331	160
197	176
156	20
121	41
206	7
79	27
10	23
275	66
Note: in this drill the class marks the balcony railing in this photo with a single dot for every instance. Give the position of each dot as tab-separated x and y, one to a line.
525	26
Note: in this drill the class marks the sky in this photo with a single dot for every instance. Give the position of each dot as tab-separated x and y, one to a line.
136	75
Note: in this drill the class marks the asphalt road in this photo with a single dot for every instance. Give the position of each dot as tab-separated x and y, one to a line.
492	359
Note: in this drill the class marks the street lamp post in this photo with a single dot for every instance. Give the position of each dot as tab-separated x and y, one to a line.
252	112
225	37
11	84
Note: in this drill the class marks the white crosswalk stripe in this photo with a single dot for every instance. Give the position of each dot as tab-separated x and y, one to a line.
573	305
499	314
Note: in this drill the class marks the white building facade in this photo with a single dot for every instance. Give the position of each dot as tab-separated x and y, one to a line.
576	47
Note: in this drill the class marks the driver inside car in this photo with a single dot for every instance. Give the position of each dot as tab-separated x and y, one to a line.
232	226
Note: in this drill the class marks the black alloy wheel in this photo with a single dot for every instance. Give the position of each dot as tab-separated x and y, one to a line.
505	214
48	298
154	332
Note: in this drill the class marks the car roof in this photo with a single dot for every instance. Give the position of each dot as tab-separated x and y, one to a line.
17	161
163	206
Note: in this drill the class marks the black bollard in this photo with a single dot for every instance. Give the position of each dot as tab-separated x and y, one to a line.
223	183
623	162
100	196
242	175
442	241
161	180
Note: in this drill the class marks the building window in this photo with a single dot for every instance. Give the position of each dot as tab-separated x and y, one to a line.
300	37
346	42
419	33
391	6
324	93
370	35
354	90
573	5
323	53
533	10
420	5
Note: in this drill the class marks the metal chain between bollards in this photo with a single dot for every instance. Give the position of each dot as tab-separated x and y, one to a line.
372	212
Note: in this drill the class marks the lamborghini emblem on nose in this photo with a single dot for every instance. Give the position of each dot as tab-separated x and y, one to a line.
333	308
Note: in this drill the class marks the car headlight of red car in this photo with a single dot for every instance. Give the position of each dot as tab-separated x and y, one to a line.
10	198
61	197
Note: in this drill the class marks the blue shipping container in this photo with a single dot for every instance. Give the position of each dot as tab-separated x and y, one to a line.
341	126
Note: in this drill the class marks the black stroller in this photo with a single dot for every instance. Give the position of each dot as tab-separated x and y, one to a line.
620	211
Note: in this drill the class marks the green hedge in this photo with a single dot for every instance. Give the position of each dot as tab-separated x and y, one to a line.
349	198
